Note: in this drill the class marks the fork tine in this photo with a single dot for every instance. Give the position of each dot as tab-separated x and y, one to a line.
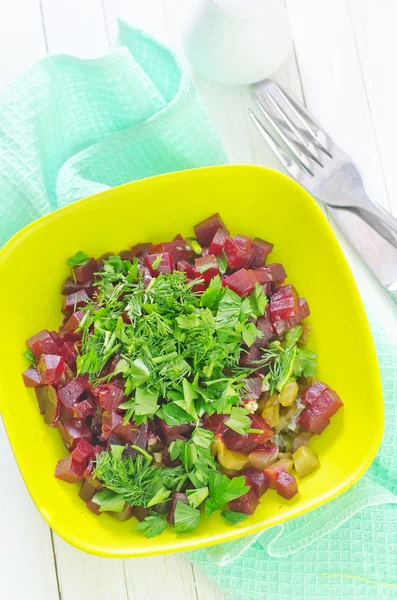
300	157
290	165
306	144
305	119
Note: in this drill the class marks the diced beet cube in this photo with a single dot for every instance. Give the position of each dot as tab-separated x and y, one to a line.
140	250
249	356
313	393
42	343
238	251
252	388
127	255
323	402
206	230
127	433
312	421
177	249
261	250
170	433
56	337
69	353
74	321
216	423
207	267
70	286
85	271
110	420
166	264
245	504
286	485
140	512
177	497
246	443
69	470
142	437
218	241
272	272
87	491
31	377
124	515
241	282
83	451
258	422
74	431
272	472
239	443
110	396
69	394
187	268
199	287
46	394
89	469
282	327
83	409
93	507
267	330
73	301
284	304
257	480
50	368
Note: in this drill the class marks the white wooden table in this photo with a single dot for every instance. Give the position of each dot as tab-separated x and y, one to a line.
344	67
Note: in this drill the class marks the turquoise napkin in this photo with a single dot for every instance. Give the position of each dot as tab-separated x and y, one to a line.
70	128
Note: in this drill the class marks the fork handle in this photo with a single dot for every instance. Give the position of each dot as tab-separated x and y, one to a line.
374	238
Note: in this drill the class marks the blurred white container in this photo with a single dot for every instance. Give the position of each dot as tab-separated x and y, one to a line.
237	41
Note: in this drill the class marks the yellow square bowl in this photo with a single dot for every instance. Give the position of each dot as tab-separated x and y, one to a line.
253	201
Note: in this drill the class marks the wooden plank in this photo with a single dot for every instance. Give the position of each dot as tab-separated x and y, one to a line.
86	576
148	15
21	38
26	557
168	576
75	27
333	84
21	43
373	25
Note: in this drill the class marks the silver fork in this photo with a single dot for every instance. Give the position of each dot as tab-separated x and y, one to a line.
311	157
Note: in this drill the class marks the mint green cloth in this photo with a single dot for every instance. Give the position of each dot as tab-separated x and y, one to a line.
70	128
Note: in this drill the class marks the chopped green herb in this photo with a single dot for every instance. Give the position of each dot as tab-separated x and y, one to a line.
156	262
186	517
152	525
30	357
222	490
109	501
197	497
250	333
239	420
78	259
233	517
222	262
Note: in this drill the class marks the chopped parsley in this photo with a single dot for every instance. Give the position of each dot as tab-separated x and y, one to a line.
78	259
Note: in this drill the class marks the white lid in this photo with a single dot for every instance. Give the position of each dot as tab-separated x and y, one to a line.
242	8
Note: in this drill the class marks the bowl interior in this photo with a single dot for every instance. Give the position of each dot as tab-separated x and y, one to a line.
253	201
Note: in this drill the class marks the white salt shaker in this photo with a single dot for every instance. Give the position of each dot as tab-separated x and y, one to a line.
237	41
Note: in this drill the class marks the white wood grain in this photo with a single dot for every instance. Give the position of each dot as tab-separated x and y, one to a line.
27	568
75	27
333	85
21	38
88	577
373	24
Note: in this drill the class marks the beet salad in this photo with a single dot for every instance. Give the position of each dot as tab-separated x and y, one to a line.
180	380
